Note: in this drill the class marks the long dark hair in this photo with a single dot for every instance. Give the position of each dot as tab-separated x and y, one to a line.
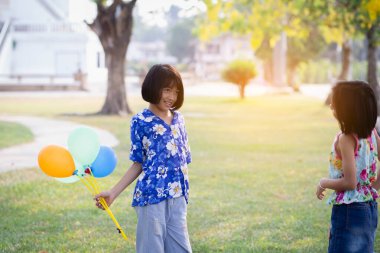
355	107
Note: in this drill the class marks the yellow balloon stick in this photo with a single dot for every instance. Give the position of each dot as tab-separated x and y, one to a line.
106	207
88	186
93	186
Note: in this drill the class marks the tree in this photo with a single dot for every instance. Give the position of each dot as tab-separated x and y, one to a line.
180	40
263	21
361	18
301	51
307	43
337	24
239	72
366	16
370	22
113	26
371	35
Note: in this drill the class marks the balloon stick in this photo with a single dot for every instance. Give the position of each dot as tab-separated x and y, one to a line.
93	186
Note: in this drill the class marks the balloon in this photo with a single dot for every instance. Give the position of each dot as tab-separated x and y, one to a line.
104	163
84	145
68	180
56	161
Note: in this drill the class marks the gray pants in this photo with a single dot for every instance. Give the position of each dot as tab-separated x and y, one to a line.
162	227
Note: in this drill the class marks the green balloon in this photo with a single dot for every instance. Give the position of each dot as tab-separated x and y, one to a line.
84	145
79	168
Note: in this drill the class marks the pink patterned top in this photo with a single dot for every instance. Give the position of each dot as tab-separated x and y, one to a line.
366	173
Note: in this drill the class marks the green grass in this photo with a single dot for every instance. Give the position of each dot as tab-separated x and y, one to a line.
255	167
13	134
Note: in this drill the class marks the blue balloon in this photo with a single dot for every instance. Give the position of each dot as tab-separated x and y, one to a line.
104	163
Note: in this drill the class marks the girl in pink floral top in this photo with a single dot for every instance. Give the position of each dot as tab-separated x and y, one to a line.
353	175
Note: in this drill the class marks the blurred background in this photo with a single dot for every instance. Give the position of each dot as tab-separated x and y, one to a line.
51	45
257	76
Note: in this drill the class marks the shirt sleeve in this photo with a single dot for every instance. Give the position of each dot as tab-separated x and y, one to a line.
186	142
137	152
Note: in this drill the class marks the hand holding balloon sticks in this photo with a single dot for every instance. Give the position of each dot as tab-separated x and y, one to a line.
92	185
86	161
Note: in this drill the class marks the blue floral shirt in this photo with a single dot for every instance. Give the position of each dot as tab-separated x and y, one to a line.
164	153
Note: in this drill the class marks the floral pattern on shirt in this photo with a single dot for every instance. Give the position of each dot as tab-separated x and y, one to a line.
164	153
366	173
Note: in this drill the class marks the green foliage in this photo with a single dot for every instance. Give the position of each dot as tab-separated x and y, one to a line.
359	70
13	134
321	71
342	20
146	33
325	71
181	41
239	72
303	50
264	22
309	25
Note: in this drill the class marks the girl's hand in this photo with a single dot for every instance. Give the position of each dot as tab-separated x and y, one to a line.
320	191
107	196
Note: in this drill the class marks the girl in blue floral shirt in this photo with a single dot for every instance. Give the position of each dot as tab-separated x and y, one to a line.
353	174
160	153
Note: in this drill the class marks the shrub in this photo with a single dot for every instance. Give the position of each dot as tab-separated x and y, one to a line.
239	72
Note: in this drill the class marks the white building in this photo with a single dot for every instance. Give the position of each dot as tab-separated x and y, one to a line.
47	41
44	39
213	56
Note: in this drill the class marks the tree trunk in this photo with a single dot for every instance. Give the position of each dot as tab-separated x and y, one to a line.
268	71
265	53
371	63
291	77
116	101
113	26
242	91
346	60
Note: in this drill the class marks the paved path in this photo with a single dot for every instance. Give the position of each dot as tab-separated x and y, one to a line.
46	132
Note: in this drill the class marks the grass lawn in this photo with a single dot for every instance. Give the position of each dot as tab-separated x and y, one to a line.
13	134
255	167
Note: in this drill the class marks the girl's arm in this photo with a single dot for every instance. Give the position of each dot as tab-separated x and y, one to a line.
109	196
346	145
376	184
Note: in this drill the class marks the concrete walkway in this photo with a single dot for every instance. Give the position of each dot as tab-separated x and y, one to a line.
46	132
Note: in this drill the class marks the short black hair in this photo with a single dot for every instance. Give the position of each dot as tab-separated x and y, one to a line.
159	77
355	107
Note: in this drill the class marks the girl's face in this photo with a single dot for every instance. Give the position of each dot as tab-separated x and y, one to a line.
168	98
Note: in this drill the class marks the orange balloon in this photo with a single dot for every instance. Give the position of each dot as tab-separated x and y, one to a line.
56	161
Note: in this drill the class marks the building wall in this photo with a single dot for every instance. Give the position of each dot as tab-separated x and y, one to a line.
213	56
5	55
59	54
4	9
42	41
30	10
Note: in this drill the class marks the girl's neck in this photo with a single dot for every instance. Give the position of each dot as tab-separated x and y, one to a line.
164	114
